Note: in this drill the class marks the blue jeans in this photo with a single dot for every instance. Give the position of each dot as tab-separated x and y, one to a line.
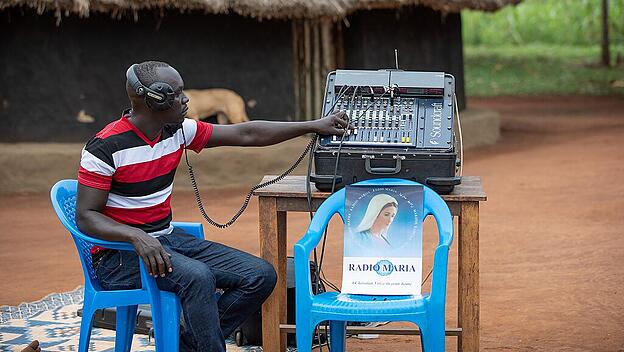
199	268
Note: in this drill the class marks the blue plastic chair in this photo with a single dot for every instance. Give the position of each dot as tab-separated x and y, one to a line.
165	305
426	311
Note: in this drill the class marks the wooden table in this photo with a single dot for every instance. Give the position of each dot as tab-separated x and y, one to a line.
290	195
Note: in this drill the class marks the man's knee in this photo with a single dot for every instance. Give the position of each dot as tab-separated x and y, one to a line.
267	278
198	278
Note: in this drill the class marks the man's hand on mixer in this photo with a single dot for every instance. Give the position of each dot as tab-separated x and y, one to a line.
334	124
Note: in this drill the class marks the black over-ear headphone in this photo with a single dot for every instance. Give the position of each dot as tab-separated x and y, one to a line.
158	96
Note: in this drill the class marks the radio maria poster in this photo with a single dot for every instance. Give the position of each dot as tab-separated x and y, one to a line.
383	240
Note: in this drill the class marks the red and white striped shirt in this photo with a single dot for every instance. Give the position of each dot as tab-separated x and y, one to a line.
138	172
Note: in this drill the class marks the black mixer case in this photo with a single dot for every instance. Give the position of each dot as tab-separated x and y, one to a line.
435	170
427	97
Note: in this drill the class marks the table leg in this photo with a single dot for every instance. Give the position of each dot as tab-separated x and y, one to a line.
468	277
272	233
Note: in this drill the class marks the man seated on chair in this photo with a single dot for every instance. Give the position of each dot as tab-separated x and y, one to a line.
125	183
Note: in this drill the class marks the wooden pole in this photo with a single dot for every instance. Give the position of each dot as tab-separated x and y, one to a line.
307	63
468	277
340	50
317	71
295	63
272	235
328	43
301	58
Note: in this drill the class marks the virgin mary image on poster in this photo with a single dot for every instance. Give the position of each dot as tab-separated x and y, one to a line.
372	232
382	223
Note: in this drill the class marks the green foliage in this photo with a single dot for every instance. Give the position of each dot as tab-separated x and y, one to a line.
542	47
563	22
540	69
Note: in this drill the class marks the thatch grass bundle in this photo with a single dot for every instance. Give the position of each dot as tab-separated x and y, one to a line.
254	8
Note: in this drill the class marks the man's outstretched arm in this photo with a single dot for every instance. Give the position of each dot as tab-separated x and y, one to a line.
89	218
263	133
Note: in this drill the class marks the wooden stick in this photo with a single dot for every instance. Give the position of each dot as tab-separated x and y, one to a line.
340	51
317	70
295	63
329	54
301	60
382	330
307	59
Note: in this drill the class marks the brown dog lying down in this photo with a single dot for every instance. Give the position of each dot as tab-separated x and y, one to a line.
226	104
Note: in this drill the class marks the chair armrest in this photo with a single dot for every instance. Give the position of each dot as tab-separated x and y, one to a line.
446	238
310	240
122	246
192	228
334	204
435	205
147	281
321	219
440	270
302	251
303	280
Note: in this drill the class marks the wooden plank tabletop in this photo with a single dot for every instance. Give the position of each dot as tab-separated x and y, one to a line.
470	189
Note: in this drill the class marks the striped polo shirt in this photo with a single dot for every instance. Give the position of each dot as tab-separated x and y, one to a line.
138	172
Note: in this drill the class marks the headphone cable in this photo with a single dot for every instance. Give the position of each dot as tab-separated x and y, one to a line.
198	199
243	207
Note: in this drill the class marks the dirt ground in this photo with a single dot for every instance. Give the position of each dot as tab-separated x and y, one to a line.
552	254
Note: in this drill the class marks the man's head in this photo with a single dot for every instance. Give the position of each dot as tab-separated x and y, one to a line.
163	79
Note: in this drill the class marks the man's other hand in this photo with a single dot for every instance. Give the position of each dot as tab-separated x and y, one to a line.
154	256
334	124
33	347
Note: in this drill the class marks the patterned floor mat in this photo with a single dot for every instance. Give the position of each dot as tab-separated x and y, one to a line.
53	321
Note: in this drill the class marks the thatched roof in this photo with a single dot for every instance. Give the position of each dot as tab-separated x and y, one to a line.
253	8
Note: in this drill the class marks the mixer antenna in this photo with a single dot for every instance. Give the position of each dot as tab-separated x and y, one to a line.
396	58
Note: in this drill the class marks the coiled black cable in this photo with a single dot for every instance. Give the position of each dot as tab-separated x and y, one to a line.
198	199
200	204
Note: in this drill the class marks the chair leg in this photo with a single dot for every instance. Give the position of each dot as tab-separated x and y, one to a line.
85	327
337	335
436	334
304	333
166	319
124	326
424	336
424	345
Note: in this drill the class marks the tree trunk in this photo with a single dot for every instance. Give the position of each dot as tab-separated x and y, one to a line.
606	56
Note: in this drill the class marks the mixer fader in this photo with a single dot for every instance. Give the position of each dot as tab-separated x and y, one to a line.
380	121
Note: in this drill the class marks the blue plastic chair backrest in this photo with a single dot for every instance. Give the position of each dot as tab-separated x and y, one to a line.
433	205
63	196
